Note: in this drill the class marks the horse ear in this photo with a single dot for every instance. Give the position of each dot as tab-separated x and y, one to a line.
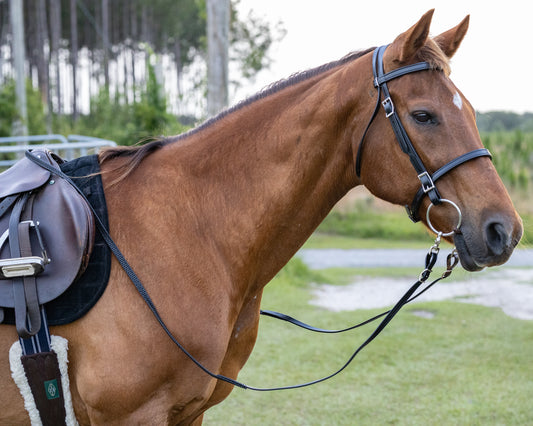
408	43
450	40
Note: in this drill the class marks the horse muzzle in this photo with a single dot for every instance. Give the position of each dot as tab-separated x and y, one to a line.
490	244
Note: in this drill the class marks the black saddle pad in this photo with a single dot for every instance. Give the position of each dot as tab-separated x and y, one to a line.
81	296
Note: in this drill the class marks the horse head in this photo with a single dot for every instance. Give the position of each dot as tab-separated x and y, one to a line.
439	123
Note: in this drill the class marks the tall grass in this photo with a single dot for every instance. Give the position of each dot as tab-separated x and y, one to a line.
512	157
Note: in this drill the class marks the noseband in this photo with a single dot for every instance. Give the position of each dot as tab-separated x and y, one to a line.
427	180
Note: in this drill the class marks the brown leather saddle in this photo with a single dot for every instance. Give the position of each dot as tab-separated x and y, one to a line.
46	238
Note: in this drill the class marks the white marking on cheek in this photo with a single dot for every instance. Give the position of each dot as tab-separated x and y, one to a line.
458	102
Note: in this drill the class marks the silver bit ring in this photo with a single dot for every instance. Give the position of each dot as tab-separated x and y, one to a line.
444	234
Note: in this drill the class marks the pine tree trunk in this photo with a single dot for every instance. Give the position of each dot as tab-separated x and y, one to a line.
218	19
134	36
74	57
42	61
105	41
20	127
55	35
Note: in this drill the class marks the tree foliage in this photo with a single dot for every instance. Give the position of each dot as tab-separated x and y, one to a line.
498	121
108	40
124	123
9	112
251	40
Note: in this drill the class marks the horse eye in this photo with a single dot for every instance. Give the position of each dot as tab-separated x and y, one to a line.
422	117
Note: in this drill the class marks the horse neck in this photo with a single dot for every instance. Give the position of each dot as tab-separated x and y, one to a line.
264	176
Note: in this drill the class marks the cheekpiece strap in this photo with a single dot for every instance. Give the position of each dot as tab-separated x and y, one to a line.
380	81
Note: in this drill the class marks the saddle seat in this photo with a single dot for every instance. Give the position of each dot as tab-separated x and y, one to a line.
46	238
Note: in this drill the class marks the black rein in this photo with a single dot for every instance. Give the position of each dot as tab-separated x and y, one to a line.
428	187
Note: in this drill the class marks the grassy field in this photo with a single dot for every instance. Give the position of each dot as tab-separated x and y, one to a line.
370	227
321	240
467	365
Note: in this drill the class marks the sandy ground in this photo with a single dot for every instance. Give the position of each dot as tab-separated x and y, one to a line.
510	289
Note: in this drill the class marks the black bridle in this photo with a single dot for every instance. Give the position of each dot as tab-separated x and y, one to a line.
427	180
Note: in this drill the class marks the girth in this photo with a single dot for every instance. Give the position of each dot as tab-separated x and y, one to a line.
427	180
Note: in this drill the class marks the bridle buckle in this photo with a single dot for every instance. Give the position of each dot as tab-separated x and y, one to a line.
426	181
388	106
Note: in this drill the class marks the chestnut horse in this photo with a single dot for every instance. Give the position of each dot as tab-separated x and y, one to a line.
207	219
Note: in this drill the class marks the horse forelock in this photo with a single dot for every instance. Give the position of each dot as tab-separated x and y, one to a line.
433	54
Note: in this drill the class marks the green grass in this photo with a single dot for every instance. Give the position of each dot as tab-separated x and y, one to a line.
365	226
527	238
320	240
364	221
467	365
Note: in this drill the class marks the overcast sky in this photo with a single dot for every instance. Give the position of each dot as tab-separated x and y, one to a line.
493	67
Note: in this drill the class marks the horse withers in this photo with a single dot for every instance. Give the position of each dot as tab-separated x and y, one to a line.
206	219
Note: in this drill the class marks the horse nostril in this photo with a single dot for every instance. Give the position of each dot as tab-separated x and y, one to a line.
497	239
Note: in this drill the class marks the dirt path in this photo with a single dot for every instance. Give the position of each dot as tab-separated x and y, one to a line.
360	258
510	289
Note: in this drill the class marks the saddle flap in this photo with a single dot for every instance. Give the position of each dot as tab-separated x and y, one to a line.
23	176
63	230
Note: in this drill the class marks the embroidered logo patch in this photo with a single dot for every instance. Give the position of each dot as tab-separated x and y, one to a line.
51	389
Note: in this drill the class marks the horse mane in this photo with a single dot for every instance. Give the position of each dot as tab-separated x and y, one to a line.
431	53
138	152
